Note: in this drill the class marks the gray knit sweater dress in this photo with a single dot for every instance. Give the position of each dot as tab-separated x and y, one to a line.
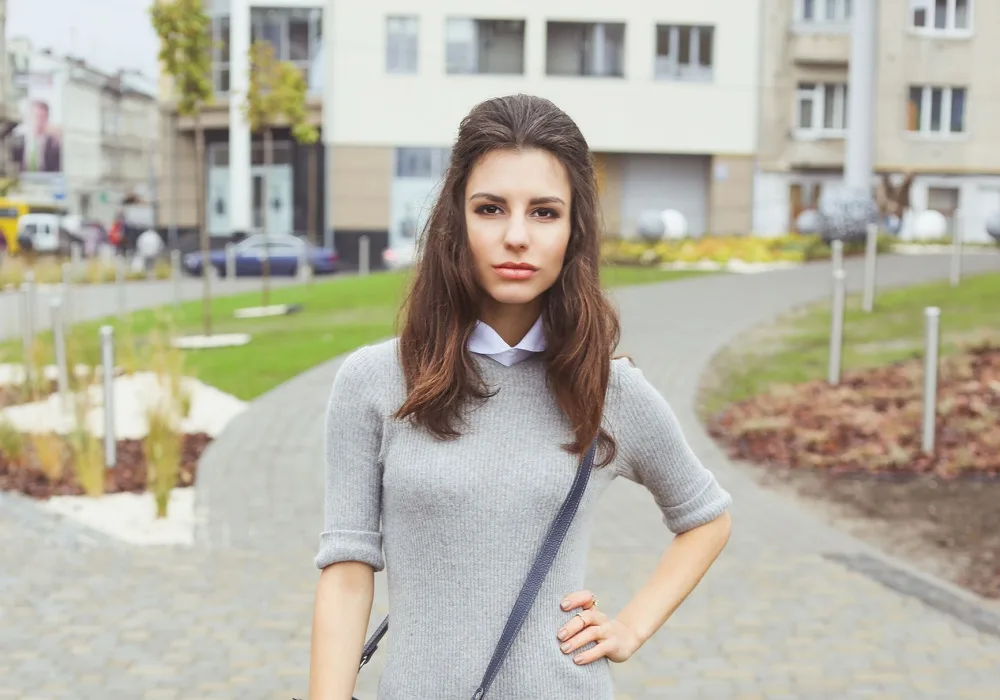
456	524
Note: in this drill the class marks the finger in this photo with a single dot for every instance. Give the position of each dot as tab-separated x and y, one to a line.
605	648
583	637
577	599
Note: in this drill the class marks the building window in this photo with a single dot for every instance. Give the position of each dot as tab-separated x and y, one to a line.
484	46
585	48
220	53
422	162
941	16
684	52
936	110
821	110
296	35
401	44
823	11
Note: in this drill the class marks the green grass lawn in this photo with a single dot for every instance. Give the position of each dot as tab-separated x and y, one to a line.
338	315
796	347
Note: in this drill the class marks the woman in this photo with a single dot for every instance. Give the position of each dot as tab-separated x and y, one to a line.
452	447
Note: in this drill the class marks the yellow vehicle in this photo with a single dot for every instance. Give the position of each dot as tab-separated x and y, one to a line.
10	211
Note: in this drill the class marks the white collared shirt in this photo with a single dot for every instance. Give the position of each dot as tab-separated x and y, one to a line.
486	341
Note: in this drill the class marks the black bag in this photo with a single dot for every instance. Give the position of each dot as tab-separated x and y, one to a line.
532	583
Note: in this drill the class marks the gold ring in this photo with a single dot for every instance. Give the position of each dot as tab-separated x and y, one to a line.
582	618
593	601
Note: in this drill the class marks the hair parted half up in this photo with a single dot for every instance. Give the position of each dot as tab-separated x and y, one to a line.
442	307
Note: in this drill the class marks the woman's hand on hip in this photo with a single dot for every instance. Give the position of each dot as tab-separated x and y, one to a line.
611	637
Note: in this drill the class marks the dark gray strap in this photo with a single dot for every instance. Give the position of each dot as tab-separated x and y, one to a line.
543	562
532	584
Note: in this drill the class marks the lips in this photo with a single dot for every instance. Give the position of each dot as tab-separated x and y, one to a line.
515	271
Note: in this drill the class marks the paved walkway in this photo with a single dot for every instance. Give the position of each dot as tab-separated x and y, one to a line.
777	617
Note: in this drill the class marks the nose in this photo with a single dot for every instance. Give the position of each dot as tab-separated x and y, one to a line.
516	235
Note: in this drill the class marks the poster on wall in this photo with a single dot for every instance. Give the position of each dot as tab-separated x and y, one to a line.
36	145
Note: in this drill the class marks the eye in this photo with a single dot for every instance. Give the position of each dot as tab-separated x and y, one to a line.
547	213
488	209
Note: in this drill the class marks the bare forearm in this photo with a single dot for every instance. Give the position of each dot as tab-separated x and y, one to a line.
343	605
681	567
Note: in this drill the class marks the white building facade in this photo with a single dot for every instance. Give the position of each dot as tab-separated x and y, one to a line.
86	140
665	93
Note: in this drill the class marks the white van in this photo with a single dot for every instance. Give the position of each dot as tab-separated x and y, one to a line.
43	233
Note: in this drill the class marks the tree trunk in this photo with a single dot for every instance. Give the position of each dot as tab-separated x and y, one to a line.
265	270
311	194
311	198
199	198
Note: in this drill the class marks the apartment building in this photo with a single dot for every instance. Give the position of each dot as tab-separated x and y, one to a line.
84	139
666	94
935	111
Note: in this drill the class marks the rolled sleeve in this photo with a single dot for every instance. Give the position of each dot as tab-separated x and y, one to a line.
653	452
353	476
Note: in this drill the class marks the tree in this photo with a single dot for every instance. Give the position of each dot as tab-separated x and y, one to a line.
894	199
276	97
184	30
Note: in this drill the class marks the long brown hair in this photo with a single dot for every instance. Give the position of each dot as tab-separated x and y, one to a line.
442	307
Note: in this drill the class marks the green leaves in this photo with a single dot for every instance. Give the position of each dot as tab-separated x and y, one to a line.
184	30
277	94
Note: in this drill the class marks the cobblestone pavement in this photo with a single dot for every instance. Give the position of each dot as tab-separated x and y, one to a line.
777	617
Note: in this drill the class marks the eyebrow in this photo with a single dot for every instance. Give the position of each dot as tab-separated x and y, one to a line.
501	200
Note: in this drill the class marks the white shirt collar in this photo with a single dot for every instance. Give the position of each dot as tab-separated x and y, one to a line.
486	341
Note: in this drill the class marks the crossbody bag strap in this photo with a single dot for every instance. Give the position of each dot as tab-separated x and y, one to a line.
532	584
543	562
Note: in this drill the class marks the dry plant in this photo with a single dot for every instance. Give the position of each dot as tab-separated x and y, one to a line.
162	269
11	271
98	271
11	442
86	448
49	449
164	415
40	356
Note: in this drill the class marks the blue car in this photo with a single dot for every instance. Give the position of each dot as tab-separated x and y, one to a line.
285	253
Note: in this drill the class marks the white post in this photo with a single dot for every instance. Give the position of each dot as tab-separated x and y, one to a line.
108	361
304	268
837	326
871	255
837	254
75	256
364	256
240	178
932	317
67	281
861	98
59	341
120	286
956	249
27	325
175	274
231	263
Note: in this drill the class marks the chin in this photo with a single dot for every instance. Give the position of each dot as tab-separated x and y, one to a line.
515	296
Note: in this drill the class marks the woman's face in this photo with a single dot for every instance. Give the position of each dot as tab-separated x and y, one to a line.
517	214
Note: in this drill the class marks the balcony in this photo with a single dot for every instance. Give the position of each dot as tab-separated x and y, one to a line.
812	154
820	48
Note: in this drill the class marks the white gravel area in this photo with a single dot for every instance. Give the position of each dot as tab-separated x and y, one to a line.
131	517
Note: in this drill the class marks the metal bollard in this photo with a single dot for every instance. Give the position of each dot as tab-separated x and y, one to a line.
837	254
837	326
175	274
67	296
59	341
956	250
932	337
364	255
76	256
871	255
120	286
27	327
108	361
231	263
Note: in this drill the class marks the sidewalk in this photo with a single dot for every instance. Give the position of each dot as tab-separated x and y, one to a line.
781	615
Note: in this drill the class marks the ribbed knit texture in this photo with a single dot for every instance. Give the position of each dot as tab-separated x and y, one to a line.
460	521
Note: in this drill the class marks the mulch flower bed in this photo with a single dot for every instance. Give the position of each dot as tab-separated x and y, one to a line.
873	421
858	446
129	474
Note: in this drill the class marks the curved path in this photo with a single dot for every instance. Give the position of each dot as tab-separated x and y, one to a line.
793	608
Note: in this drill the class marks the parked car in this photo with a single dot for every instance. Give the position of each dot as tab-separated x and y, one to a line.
401	256
284	252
